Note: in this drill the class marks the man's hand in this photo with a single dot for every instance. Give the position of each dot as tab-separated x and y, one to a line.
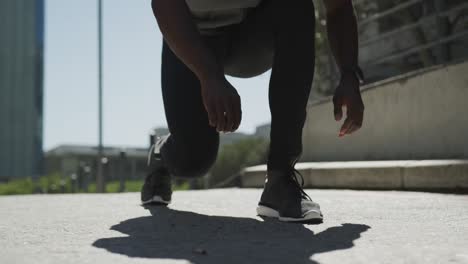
347	94
222	103
343	39
180	31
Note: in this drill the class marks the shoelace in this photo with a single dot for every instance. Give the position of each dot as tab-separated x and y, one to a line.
150	152
301	184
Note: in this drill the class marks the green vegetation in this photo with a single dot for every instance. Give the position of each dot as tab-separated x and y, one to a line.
234	157
23	186
47	184
54	184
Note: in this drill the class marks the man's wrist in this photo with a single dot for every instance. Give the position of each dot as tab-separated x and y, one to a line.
211	80
210	74
352	71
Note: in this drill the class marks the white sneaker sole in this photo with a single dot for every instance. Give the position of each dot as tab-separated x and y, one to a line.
310	216
156	200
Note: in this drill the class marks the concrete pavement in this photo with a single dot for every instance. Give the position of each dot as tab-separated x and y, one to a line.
220	226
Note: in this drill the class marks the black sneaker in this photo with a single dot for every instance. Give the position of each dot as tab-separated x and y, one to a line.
284	198
157	189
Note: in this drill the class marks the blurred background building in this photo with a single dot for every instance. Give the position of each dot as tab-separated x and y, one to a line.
79	161
21	87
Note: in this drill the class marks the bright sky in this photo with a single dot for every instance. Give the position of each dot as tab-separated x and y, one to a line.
132	90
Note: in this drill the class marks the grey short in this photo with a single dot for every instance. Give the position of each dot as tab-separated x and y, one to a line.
246	49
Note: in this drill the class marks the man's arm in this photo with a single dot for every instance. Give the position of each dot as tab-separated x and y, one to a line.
343	39
181	34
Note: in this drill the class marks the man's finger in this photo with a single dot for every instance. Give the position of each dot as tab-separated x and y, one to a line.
239	112
353	128
357	115
239	120
236	114
348	130
211	110
337	109
228	108
220	118
345	127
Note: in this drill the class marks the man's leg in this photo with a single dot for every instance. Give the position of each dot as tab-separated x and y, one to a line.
286	30
279	34
192	146
291	80
290	84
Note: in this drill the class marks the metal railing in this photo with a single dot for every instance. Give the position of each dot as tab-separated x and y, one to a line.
418	48
419	23
392	55
388	12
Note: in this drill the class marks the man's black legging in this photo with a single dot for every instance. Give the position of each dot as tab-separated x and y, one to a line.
278	35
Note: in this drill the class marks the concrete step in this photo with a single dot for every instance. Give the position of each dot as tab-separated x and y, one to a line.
395	175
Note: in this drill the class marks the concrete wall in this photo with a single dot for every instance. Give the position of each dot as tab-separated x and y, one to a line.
422	115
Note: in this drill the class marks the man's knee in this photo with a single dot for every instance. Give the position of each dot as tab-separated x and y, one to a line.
196	158
245	67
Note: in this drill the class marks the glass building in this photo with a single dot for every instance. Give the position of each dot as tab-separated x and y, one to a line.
21	87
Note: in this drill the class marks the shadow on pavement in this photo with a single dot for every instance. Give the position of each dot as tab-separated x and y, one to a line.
201	239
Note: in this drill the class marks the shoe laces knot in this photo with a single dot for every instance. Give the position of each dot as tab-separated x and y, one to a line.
300	184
